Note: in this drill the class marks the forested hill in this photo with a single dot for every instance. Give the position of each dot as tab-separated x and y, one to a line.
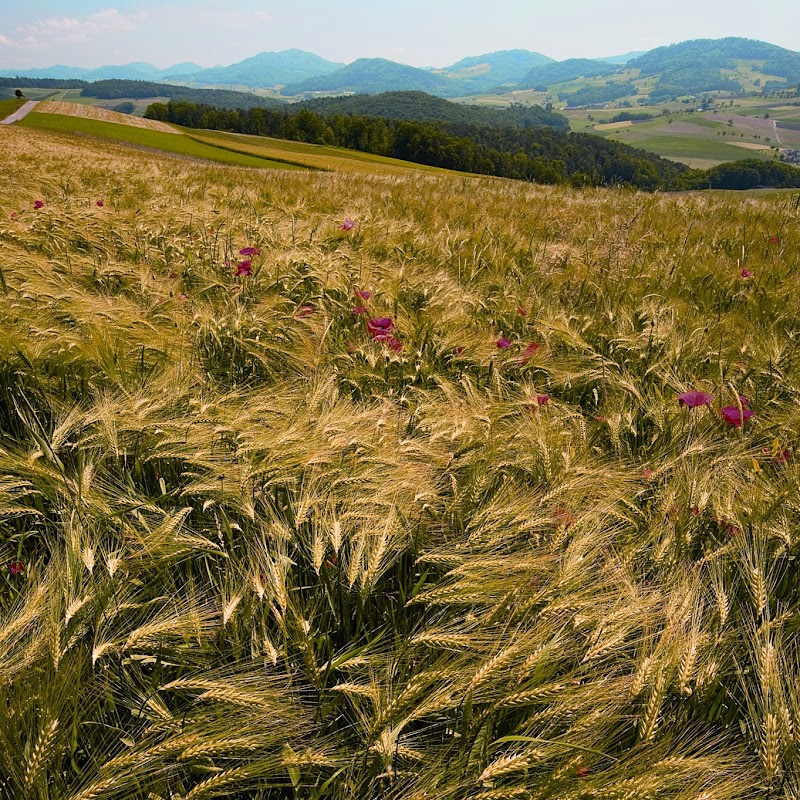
543	155
705	65
545	75
422	107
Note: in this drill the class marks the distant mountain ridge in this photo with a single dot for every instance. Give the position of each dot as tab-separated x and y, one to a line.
678	70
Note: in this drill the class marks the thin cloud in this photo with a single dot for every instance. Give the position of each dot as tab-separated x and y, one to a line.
57	30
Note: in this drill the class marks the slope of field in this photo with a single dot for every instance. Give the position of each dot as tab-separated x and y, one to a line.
311	155
103	115
331	486
234	149
166	141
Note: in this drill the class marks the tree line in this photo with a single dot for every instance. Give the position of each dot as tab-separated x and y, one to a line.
541	155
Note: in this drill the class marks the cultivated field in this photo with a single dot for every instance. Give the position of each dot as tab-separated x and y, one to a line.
234	149
104	115
333	485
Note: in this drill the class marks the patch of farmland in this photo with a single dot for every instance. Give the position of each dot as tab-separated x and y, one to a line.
103	115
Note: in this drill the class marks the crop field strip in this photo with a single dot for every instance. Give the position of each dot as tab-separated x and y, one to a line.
318	485
233	149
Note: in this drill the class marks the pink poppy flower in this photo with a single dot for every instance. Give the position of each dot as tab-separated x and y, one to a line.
733	415
16	567
38	203
363	294
529	351
745	401
542	399
305	310
647	474
12	215
360	310
379	325
773	240
250	251
348	225
746	273
583	772
503	344
99	203
695	511
387	338
694	399
183	296
244	267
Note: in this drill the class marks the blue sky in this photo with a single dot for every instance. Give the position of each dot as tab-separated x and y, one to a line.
418	32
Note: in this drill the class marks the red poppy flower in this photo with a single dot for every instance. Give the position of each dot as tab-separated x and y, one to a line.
250	251
733	415
583	772
745	401
363	294
244	267
694	399
521	311
12	215
16	567
379	325
38	203
773	240
647	474
746	273
305	310
460	349
99	203
542	399
503	344
360	310
348	225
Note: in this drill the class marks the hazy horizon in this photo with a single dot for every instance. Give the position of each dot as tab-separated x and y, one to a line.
85	33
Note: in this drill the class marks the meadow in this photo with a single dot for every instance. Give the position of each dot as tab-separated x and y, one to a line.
379	485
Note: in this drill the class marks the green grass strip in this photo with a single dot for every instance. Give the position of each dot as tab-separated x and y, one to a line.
143	137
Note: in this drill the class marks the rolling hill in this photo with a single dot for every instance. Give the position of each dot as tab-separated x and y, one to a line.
421	107
544	76
267	69
373	76
480	73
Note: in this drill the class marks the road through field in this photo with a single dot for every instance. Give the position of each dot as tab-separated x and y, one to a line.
20	113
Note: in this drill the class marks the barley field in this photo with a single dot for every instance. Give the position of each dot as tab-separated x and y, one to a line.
361	486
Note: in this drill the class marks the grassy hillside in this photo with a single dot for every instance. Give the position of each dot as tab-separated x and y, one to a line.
258	543
244	151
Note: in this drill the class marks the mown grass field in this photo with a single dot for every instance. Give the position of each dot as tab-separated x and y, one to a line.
401	501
